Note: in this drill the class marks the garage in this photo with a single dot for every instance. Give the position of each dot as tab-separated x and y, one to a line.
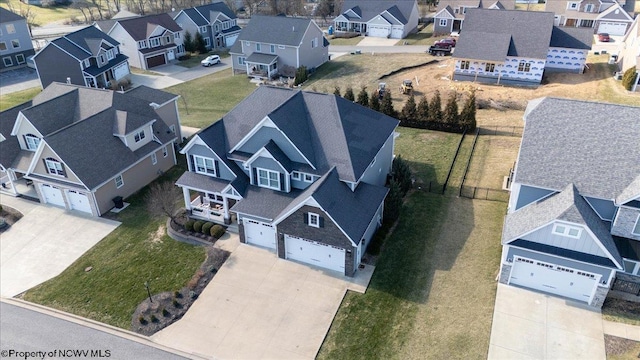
378	31
230	40
259	233
52	195
314	253
550	278
612	28
157	60
396	32
79	201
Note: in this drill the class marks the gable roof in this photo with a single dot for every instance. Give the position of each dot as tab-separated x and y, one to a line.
7	16
151	95
571	37
279	30
215	7
141	27
89	39
530	33
593	145
369	9
615	12
10	147
482	4
567	205
483	45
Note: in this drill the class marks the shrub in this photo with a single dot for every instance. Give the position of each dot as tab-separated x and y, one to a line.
217	231
401	173
184	57
435	108
629	78
165	312
301	75
199	44
188	42
386	105
154	319
193	295
468	113
189	225
374	102
349	95
176	303
451	110
193	283
197	226
409	111
363	97
206	228
177	294
336	91
393	203
142	320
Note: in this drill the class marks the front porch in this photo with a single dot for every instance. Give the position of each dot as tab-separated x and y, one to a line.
19	187
201	207
263	66
348	26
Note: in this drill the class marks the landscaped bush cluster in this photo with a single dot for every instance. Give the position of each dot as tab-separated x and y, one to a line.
345	35
629	78
205	227
301	75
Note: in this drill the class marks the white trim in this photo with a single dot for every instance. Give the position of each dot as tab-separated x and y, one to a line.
437	15
154	158
204	163
37	157
269	180
260	153
556	257
196	140
637	225
121	181
315	216
565	230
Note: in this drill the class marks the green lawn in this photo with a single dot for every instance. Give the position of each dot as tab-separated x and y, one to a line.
137	251
345	41
195	58
46	15
204	101
16	98
422	37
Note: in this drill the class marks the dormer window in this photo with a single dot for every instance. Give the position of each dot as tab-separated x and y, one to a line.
54	167
32	142
87	63
573	5
313	219
295	175
110	55
139	136
269	179
308	178
204	165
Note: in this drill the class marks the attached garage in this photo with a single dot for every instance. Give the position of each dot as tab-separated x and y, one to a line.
315	253
612	28
259	233
52	195
550	278
379	31
230	40
79	201
156	60
396	32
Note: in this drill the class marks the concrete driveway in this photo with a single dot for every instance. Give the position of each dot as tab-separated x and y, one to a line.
261	307
43	243
532	325
376	41
173	74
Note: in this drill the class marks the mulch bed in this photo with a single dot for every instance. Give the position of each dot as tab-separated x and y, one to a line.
619	346
623	308
169	307
10	216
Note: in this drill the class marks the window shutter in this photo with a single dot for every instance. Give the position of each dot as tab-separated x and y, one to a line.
255	176
46	168
305	218
216	167
282	187
64	170
321	221
25	142
192	163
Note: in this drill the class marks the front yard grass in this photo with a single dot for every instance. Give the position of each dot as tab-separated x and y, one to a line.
16	98
422	37
345	41
47	15
137	251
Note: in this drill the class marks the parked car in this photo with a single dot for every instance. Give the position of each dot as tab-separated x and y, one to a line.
445	43
604	37
210	60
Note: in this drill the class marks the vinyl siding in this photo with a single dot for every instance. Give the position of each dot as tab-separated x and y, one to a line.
586	244
377	174
313	57
40	169
266	163
56	65
128	46
201	150
169	114
22	35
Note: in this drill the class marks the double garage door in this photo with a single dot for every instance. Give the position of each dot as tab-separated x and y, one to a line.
314	253
559	280
76	200
378	31
157	60
612	28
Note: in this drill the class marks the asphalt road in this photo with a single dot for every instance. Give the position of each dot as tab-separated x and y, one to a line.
30	332
400	49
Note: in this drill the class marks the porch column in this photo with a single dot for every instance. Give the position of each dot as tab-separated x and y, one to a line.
225	210
187	198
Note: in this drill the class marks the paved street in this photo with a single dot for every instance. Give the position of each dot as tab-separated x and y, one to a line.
401	49
26	330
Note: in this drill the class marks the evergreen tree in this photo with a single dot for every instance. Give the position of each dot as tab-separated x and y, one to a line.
450	115
401	173
188	42
348	94
199	45
386	105
409	112
468	114
374	103
435	108
422	110
336	91
393	203
301	75
363	97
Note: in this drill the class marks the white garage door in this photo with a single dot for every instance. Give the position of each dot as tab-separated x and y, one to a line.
551	278
314	253
230	40
52	195
396	32
259	233
612	28
378	31
79	201
121	71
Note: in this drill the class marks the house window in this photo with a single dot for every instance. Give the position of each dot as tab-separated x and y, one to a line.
142	44
258	47
313	220
636	229
295	175
154	42
247	43
308	178
180	49
11	29
54	167
3	46
225	25
314	42
207	42
119	181
524	66
154	158
31	141
272	48
102	59
139	136
217	27
20	58
7	61
443	22
241	60
15	44
204	165
165	152
490	67
572	5
167	39
586	23
589	8
269	179
464	65
176	36
566	230
87	63
203	29
172	128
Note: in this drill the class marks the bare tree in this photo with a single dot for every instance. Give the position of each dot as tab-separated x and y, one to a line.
163	199
251	6
98	5
26	12
82	6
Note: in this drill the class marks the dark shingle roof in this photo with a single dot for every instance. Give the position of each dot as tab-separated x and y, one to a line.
367	10
260	58
197	18
10	148
629	249
593	145
216	7
151	95
572	37
566	253
194	180
491	47
140	27
72	49
279	155
264	203
278	30
7	16
89	39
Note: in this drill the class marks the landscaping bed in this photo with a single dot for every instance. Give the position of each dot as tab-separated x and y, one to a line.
9	216
620	348
623	311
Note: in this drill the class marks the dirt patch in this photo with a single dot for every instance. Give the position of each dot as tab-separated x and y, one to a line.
10	217
621	311
162	310
619	347
157	236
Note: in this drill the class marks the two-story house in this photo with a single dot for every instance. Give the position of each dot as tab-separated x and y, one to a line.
87	57
573	221
300	173
15	40
514	47
148	41
79	148
379	18
215	22
272	45
603	16
629	56
451	13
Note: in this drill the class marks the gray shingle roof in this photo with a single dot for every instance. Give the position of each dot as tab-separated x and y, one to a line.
7	16
216	7
197	18
572	37
278	30
89	39
401	9
72	49
9	148
194	180
151	95
279	155
503	4
491	47
260	58
264	203
140	27
568	205
593	145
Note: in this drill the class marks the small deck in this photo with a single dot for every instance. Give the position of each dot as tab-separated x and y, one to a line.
212	212
20	187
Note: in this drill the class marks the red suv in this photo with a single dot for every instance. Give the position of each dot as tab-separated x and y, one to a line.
446	43
604	37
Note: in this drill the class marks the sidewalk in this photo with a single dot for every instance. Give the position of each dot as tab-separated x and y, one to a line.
626	331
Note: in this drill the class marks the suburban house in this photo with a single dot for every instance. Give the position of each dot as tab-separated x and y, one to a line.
378	18
215	22
450	13
278	45
15	40
86	57
515	47
602	16
629	55
148	41
80	148
301	173
573	222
